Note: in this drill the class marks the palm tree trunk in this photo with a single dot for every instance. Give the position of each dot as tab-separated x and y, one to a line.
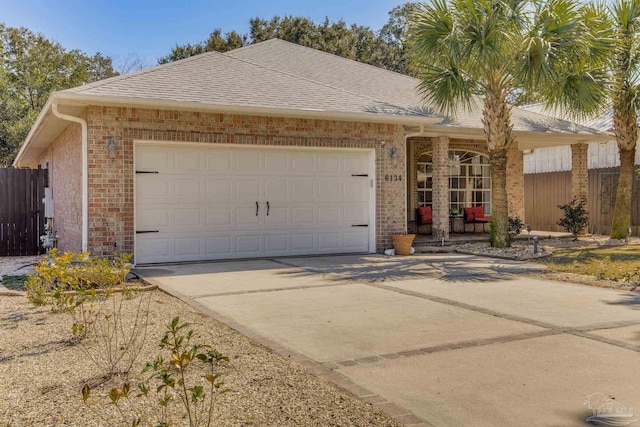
622	209
496	118
500	237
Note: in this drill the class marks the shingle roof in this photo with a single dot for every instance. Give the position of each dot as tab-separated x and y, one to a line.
282	75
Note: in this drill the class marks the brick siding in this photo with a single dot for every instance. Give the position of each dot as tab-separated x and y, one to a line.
63	158
111	181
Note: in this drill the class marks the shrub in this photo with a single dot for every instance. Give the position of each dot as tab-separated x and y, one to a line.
83	286
576	217
171	382
515	224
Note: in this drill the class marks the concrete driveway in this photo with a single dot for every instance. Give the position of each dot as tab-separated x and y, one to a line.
442	340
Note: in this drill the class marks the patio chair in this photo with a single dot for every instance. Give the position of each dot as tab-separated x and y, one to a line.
475	215
424	216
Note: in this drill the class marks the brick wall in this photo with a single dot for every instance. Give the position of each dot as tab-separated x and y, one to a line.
64	161
580	170
111	180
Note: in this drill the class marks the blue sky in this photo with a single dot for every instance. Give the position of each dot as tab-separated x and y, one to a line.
151	28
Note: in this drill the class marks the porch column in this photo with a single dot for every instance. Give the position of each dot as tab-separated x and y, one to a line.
580	173
515	181
440	187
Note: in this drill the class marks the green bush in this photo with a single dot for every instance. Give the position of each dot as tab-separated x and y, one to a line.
576	217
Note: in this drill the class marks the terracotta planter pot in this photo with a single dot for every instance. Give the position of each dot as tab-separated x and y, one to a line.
402	243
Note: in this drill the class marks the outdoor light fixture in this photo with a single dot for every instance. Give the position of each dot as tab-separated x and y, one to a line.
112	146
393	154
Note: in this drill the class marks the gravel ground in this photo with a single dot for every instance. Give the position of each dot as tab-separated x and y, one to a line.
16	264
522	249
46	372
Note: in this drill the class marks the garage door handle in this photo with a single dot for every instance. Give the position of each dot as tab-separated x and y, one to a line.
360	225
268	208
257	208
147	231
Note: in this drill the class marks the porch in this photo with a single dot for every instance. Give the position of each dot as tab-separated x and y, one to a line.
449	174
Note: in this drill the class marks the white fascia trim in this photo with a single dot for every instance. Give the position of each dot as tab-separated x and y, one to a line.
85	171
34	129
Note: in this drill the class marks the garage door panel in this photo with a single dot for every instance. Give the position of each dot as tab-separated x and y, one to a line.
247	191
278	217
329	163
302	242
190	217
187	160
249	245
302	216
304	162
276	161
219	217
330	190
277	190
276	243
150	218
249	161
356	214
187	189
329	215
219	161
247	216
329	241
354	163
356	239
356	190
148	188
149	159
188	246
303	190
217	246
219	190
203	202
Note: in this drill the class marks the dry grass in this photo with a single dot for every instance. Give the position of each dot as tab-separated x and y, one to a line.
42	373
613	262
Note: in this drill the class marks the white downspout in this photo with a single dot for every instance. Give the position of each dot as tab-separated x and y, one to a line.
85	172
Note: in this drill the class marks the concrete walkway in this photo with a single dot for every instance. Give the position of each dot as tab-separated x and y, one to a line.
433	340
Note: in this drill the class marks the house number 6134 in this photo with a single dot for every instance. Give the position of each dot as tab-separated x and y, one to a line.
390	178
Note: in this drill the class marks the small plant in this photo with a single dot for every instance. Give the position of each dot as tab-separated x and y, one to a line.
576	217
515	224
171	381
84	287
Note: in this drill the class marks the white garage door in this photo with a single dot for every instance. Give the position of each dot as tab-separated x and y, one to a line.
196	202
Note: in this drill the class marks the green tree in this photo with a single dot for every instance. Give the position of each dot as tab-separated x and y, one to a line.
495	48
625	88
385	49
215	43
30	69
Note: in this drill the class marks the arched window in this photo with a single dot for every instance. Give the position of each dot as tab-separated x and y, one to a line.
469	180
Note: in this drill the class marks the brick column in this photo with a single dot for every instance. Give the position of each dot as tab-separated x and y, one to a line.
440	187
515	181
580	173
580	170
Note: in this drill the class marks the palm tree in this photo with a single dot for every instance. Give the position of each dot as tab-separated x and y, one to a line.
625	15
487	51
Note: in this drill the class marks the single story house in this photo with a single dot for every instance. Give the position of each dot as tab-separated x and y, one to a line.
548	181
272	149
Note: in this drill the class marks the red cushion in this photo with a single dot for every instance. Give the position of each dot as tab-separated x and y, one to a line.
469	214
426	219
425	210
479	211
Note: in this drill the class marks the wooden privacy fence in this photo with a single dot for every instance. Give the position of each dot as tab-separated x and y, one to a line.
21	211
543	192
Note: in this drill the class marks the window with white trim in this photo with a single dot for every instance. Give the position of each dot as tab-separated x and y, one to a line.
469	180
